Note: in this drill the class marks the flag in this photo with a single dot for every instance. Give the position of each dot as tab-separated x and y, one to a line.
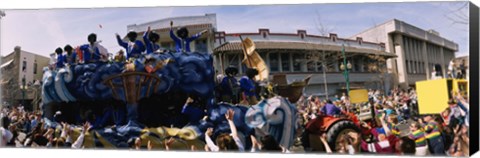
253	60
79	53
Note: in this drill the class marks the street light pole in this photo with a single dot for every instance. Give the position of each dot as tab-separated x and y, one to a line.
345	67
324	75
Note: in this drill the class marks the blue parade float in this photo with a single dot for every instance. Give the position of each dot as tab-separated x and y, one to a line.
124	101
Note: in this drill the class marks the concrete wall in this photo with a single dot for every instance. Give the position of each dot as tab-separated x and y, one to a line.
31	59
41	63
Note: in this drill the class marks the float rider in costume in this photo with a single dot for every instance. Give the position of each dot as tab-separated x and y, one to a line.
151	38
248	86
70	57
133	47
91	53
60	58
182	44
230	86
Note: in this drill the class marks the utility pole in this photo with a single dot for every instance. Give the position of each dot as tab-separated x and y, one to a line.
345	67
324	74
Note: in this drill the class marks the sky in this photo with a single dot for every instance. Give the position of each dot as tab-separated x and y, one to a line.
41	31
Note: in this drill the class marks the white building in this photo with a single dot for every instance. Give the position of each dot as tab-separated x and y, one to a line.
18	65
417	50
298	55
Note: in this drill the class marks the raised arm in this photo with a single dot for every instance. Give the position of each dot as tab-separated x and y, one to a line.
462	103
145	37
229	116
255	144
168	143
323	138
196	36
209	141
64	130
172	35
384	125
121	42
79	142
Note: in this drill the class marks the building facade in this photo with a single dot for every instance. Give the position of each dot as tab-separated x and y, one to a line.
299	55
417	50
17	66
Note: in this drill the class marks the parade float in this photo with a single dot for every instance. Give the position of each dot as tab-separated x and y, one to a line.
123	101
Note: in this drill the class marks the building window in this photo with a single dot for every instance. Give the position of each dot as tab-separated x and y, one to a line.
311	66
422	67
35	67
366	64
311	62
418	67
274	62
297	62
320	66
356	65
285	58
412	67
415	66
233	60
201	46
407	66
24	66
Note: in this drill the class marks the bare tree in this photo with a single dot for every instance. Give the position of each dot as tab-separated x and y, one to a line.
328	60
323	28
378	64
458	14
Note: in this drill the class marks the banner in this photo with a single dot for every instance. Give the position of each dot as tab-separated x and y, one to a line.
358	96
